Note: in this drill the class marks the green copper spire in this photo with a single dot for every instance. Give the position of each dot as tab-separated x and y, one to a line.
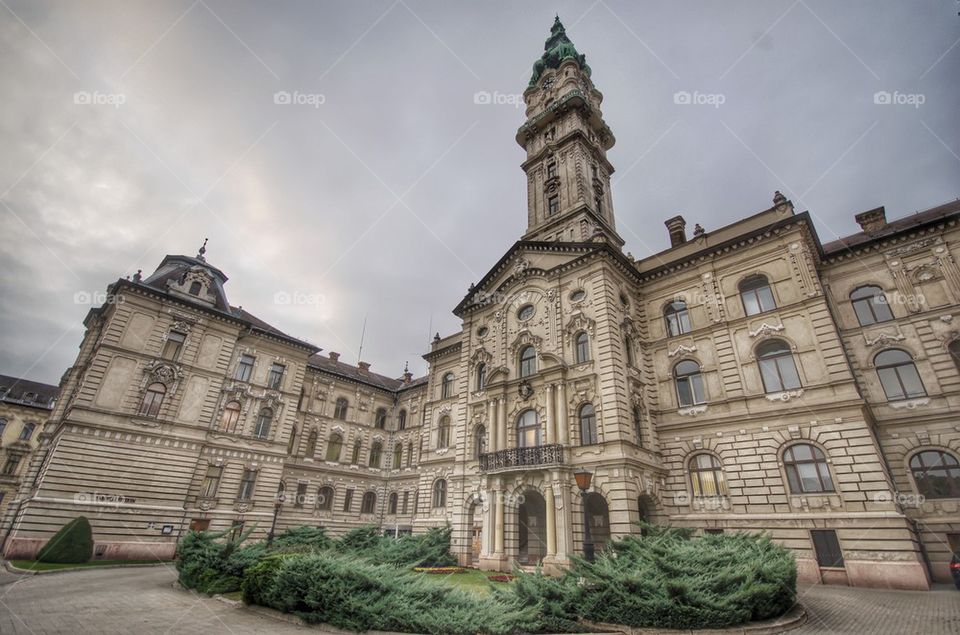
557	48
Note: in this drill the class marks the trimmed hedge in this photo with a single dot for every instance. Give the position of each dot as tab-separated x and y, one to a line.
72	544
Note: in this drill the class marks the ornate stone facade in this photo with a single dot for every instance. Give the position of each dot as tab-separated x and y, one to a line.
750	378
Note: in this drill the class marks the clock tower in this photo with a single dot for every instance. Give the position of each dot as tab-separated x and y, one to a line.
566	139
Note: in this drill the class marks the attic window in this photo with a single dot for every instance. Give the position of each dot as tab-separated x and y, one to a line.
195	287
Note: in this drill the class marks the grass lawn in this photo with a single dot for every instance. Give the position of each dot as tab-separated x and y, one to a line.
472	580
33	565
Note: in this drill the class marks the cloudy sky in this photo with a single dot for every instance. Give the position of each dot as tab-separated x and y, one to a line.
130	130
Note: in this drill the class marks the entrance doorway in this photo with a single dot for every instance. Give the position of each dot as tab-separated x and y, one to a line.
532	529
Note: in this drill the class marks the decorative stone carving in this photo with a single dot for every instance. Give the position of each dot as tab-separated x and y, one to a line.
682	349
909	404
784	396
766	330
884	338
692	411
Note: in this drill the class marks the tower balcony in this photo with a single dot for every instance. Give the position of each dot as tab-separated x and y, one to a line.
513	459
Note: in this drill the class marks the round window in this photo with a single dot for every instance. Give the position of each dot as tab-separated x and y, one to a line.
482	331
525	312
578	295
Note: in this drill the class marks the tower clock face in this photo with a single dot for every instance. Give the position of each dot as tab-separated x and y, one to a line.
548	83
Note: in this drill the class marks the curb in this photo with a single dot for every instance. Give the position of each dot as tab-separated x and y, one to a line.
12	569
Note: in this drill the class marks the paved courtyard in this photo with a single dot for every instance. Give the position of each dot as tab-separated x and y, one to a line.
143	600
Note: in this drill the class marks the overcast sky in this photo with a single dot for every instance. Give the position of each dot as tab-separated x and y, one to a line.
130	130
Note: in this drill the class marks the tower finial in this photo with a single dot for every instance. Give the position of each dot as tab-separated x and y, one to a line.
203	249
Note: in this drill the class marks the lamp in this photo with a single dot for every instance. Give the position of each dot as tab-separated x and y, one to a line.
583	482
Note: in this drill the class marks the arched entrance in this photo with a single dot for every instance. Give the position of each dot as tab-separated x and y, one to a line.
599	515
531	528
646	509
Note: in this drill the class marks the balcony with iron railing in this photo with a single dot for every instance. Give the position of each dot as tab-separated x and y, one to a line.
522	458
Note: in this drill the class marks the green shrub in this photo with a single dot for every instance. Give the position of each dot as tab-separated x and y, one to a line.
72	544
315	538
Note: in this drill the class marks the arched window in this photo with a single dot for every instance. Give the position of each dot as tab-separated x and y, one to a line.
581	348
871	306
440	493
479	441
528	361
392	504
777	368
325	498
231	414
706	476
954	349
756	295
588	424
481	376
376	449
293	440
312	444
807	471
690	390
397	456
446	386
898	375
677	317
402	420
936	473
528	429
369	504
262	429
443	432
152	400
381	420
410	454
355	455
334	445
340	411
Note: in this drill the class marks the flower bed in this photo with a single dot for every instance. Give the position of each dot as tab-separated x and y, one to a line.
439	570
501	578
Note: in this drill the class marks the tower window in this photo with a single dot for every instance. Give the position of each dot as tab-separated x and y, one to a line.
598	203
195	288
553	205
551	170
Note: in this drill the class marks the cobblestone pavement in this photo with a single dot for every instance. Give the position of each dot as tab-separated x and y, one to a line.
143	600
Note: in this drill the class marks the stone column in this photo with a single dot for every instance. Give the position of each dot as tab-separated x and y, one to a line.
563	426
502	424
551	419
551	522
498	525
492	425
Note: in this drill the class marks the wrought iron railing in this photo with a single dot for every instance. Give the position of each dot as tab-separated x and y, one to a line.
513	458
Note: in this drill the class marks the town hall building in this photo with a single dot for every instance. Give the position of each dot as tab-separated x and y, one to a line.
748	378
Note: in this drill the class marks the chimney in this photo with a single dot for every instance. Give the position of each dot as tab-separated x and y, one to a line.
334	356
678	230
363	366
872	221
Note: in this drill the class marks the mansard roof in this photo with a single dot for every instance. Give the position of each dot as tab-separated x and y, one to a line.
25	392
918	220
326	364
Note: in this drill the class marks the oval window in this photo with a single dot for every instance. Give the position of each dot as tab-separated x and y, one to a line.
578	295
482	331
525	312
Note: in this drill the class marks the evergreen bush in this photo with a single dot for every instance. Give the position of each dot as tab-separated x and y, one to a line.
72	544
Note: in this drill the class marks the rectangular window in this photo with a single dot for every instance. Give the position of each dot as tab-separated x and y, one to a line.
553	205
827	547
10	467
551	170
245	367
27	431
171	348
348	500
236	529
406	502
211	481
598	203
199	524
246	485
276	376
301	495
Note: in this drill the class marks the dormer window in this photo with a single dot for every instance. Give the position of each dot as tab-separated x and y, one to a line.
173	345
195	288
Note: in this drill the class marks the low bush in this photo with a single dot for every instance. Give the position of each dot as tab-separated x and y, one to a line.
72	544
